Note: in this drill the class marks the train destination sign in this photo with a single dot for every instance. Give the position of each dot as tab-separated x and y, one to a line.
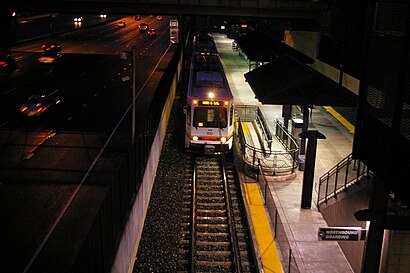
210	102
341	234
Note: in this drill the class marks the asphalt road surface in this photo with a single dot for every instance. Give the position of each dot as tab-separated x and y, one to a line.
44	160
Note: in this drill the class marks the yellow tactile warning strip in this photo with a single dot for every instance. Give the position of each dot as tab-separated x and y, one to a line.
264	236
245	128
247	133
342	120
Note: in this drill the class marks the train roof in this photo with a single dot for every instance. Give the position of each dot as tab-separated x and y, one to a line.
207	72
202	93
204	82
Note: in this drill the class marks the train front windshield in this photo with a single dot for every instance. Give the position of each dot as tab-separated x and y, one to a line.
211	117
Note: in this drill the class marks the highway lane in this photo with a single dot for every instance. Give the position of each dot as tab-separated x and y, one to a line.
90	66
94	89
59	23
43	161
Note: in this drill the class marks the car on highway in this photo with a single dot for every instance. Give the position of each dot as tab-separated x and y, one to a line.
38	104
7	63
78	19
151	32
137	17
49	57
159	17
121	24
143	27
51	47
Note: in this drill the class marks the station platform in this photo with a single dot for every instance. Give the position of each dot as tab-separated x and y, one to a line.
301	225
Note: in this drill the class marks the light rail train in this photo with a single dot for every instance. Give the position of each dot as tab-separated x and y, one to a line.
209	107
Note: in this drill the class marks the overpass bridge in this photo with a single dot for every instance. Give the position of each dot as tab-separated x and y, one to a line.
301	9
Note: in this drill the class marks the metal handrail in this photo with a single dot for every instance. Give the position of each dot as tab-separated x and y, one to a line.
339	177
264	127
269	160
284	137
274	162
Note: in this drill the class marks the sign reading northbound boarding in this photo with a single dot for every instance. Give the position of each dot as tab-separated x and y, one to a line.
341	234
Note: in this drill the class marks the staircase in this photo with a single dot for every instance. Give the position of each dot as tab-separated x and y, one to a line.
339	178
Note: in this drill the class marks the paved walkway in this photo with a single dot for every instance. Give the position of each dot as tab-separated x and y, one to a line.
301	225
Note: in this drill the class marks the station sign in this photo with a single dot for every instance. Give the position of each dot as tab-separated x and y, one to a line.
341	233
173	31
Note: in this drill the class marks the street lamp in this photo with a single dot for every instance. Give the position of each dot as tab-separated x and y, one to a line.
133	53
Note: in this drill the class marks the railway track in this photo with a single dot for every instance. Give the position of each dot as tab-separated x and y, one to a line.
214	233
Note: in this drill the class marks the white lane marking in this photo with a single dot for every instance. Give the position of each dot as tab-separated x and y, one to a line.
55	91
83	74
10	90
4	123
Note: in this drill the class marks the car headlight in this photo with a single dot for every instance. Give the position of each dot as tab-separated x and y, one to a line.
195	138
223	139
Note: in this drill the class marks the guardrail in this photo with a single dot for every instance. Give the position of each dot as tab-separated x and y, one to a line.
345	173
272	162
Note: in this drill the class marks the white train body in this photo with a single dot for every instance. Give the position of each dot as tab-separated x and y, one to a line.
209	107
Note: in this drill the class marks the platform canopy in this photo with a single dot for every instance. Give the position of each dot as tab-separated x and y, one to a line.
263	47
287	81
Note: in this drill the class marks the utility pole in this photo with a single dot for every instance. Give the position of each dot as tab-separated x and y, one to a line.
134	92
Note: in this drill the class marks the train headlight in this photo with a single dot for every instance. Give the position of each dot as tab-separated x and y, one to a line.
211	95
195	138
223	139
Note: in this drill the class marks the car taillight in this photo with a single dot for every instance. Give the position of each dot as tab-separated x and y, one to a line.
46	59
41	109
23	108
